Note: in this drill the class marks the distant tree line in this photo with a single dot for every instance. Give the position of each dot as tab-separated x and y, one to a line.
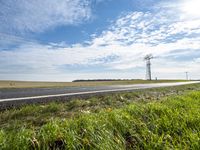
92	80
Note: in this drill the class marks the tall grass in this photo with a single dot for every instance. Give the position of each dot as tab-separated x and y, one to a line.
172	123
38	115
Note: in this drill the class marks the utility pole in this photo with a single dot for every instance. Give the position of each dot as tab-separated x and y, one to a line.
148	58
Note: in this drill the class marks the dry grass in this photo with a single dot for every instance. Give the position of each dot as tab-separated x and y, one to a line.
29	84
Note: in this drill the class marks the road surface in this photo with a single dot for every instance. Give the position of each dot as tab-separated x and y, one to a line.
10	97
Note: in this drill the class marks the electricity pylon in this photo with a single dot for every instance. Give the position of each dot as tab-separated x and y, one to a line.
148	58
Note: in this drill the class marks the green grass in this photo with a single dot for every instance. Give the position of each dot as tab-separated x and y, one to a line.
29	84
146	119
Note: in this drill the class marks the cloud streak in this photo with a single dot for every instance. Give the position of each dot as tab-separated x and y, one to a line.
38	16
118	49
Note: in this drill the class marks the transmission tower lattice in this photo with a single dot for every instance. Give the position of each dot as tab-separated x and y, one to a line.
148	58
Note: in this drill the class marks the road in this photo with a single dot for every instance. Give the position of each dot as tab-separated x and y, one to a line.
39	93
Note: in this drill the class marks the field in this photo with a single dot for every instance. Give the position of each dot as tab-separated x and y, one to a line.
27	84
164	118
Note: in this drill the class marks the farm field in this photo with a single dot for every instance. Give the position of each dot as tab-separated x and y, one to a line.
29	84
162	118
99	75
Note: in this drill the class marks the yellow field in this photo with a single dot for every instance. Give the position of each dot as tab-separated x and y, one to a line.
28	84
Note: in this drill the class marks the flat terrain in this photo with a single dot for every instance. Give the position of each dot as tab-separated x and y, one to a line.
164	118
26	84
34	93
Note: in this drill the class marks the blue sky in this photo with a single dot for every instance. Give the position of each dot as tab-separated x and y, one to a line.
63	40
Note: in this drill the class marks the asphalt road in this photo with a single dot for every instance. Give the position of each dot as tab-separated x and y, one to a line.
8	95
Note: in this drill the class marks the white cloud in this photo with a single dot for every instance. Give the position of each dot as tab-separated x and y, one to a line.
137	34
40	15
125	43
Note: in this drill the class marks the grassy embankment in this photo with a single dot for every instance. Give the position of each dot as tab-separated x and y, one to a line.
27	84
146	119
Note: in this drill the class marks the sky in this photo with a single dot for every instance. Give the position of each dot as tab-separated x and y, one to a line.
64	40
